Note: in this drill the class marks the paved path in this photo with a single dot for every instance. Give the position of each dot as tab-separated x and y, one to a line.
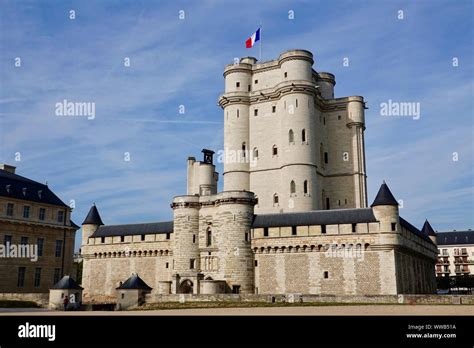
428	310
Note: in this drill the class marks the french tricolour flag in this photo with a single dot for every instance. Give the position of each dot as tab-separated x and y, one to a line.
253	39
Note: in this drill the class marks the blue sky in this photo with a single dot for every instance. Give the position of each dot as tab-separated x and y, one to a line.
180	62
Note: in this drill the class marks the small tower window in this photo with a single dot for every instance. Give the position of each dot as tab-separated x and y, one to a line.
209	237
275	198
293	230
122	239
275	150
327	203
326	157
238	113
296	103
255	152
255	112
303	135
142	237
194	238
292	187
394	226
323	229
237	84
286	74
354	226
265	231
192	263
305	187
274	108
324	120
326	274
168	236
291	136
256	82
249	88
243	150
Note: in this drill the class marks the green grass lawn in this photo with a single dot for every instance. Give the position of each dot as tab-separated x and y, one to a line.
18	304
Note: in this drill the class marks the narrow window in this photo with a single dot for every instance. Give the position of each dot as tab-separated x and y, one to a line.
265	231
192	263
303	135
194	238
326	157
256	263
238	113
255	152
123	295
274	108
321	154
21	277
246	236
243	150
167	265
291	136
339	202
237	84
59	248
26	212
56	275
42	214
296	102
305	187
168	236
323	229
275	199
256	82
345	201
324	120
60	216
292	187
327	203
40	243
293	230
102	239
122	239
326	274
275	150
236	289
209	237
354	227
37	277
10	209
394	226
286	74
249	88
338	117
255	112
142	237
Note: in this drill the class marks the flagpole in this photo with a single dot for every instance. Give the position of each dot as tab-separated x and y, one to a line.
260	46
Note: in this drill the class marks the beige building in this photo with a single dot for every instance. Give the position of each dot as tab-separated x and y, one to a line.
36	235
293	216
455	253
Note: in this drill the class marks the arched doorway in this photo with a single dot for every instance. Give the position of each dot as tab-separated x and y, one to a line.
186	287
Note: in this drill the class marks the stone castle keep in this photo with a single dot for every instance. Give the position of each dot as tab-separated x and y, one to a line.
293	216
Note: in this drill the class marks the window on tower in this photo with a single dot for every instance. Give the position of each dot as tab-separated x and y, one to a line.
292	187
255	112
243	150
303	135
209	237
325	157
237	84
255	152
291	136
275	198
274	108
305	187
275	150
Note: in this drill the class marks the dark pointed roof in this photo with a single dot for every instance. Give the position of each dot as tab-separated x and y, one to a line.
93	218
384	197
67	282
134	282
427	229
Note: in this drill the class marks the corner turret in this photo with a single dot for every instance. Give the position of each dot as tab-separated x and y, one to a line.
91	223
428	230
385	208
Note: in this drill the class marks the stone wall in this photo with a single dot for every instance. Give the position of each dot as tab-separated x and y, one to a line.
41	299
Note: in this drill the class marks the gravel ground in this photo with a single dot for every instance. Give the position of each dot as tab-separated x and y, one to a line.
428	310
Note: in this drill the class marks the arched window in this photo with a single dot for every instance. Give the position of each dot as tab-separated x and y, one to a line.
291	136
243	149
305	187
275	198
275	150
292	187
303	135
208	237
255	152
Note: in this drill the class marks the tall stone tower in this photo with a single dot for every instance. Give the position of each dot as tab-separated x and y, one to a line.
288	139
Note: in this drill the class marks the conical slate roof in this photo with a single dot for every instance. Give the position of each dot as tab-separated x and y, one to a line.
93	218
66	282
134	282
427	229
384	197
